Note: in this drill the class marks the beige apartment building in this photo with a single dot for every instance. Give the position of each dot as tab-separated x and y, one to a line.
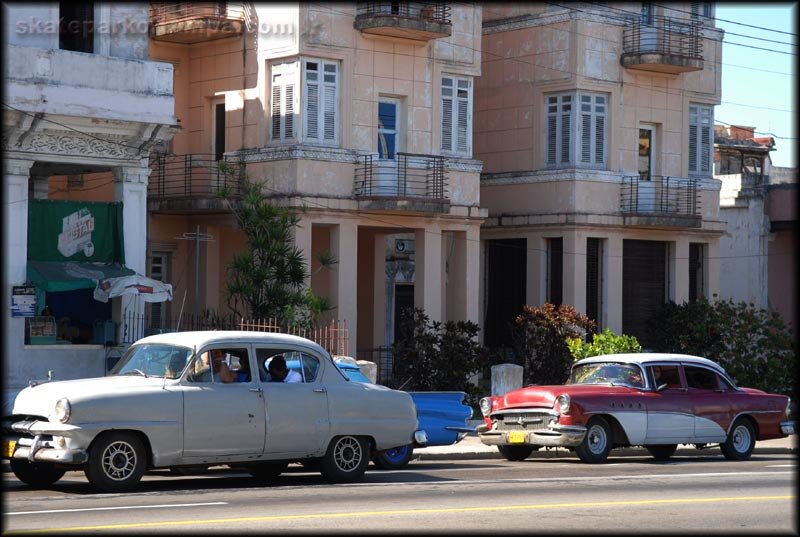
361	113
594	123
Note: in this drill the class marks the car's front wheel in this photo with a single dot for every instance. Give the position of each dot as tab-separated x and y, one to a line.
346	459
740	442
117	461
393	459
596	444
662	452
36	474
515	453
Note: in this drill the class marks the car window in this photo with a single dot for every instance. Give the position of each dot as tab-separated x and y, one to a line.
153	360
607	373
664	374
294	362
220	365
700	378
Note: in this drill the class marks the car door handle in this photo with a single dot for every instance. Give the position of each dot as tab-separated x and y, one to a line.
256	390
319	390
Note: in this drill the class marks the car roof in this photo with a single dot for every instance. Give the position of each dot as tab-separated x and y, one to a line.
206	337
644	358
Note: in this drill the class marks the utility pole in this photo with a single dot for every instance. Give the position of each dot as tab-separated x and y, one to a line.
197	237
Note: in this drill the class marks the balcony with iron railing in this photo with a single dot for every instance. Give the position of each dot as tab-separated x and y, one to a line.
191	183
663	45
421	21
196	22
660	201
413	182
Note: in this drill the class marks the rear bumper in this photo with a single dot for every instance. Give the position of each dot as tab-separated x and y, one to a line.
788	427
555	436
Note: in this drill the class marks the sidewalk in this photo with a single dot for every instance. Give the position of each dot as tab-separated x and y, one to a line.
472	448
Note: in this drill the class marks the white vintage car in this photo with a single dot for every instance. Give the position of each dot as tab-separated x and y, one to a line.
196	399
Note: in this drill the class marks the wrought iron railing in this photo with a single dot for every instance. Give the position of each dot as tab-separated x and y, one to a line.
663	36
662	195
410	175
192	176
169	12
438	12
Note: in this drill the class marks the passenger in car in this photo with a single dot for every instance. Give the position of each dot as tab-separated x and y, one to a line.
278	371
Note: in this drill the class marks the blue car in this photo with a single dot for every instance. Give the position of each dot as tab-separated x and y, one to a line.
443	416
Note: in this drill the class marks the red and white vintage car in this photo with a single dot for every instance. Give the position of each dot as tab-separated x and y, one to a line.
652	400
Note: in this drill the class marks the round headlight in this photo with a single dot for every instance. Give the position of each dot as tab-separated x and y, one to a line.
486	406
562	402
62	410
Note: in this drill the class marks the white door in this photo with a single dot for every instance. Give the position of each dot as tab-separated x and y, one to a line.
388	128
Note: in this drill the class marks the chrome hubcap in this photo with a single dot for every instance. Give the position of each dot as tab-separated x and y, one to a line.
741	439
347	453
597	439
119	461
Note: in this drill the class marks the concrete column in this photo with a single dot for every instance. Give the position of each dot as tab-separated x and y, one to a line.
130	187
379	291
344	286
428	273
472	284
575	270
536	259
302	239
505	378
481	289
612	306
15	262
679	266
713	264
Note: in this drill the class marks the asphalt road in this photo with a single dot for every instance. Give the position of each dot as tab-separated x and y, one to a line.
629	494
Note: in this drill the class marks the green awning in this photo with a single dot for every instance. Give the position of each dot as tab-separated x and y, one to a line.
54	276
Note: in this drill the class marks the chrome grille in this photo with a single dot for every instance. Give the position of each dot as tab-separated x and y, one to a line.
529	421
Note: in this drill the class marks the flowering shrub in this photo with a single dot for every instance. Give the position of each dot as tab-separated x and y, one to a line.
539	339
753	345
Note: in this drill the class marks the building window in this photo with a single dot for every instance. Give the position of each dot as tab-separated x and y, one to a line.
457	115
284	101
594	281
696	271
321	101
701	9
555	264
76	26
576	130
218	129
701	141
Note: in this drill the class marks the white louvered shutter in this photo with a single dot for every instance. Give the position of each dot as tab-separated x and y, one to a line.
463	129
447	114
329	112
283	107
701	120
566	126
552	130
321	104
312	100
706	121
600	130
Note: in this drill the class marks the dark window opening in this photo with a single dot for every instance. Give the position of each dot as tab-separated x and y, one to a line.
403	308
555	267
644	285
76	26
696	270
594	279
219	131
506	288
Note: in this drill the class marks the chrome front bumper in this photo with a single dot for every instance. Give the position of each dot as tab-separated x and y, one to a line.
38	450
553	436
788	427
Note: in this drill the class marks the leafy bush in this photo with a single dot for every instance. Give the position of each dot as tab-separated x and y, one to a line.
606	342
539	338
754	345
435	356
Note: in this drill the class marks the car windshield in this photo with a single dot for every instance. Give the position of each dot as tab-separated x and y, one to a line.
607	373
153	360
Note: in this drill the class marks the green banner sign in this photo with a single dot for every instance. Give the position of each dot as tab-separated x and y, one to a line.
75	231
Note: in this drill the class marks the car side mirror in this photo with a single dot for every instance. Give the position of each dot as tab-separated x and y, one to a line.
233	362
661	387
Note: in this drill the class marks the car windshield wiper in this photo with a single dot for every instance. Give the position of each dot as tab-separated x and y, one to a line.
135	372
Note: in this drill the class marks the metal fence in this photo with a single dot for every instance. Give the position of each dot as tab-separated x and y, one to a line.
432	11
663	35
659	195
192	176
410	175
383	357
332	336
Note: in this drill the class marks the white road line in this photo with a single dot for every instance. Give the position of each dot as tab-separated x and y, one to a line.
115	508
780	466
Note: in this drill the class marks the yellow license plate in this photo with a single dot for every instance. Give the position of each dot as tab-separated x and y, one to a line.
516	437
8	448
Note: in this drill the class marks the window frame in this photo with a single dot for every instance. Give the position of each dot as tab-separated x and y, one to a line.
702	120
287	71
323	101
582	141
454	114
